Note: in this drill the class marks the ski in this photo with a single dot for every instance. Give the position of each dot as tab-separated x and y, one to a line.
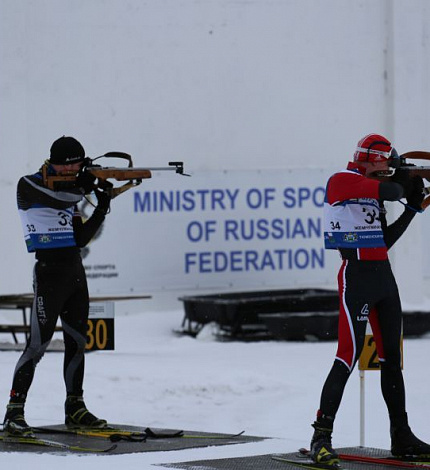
37	441
303	462
148	433
403	462
165	434
113	434
212	436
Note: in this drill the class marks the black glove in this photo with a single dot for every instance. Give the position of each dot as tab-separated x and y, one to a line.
402	177
416	195
85	180
103	201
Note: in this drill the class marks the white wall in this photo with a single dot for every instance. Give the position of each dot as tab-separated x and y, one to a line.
222	85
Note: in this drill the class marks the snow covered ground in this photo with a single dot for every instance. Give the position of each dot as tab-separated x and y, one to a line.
156	378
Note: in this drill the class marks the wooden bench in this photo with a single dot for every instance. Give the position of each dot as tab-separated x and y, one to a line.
24	302
14	329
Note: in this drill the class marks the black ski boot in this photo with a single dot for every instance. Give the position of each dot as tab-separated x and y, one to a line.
14	423
321	450
78	416
404	443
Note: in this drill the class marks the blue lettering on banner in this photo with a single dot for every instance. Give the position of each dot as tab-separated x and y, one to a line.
255	229
188	200
224	199
198	231
257	198
275	229
296	197
248	222
251	260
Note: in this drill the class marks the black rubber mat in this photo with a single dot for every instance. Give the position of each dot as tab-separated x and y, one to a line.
190	440
266	462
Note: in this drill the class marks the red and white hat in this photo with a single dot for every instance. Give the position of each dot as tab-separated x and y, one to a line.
373	148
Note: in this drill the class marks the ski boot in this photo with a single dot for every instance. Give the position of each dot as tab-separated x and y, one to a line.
321	450
14	423
404	443
78	416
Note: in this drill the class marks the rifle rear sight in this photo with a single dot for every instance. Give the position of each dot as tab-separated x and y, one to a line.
179	167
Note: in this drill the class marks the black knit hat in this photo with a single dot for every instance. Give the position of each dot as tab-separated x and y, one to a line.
66	151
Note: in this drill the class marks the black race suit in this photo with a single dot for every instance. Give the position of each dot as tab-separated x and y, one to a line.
60	285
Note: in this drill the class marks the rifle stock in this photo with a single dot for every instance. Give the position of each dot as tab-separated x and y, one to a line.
414	170
119	174
416	155
132	175
411	168
422	171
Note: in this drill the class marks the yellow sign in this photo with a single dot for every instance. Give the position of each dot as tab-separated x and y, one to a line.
100	334
369	359
101	327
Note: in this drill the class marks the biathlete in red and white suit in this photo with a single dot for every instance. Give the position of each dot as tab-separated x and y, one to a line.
355	225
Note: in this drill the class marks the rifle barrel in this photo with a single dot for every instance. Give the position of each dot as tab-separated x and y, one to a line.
133	168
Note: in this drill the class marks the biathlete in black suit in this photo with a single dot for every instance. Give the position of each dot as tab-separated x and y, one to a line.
355	225
54	231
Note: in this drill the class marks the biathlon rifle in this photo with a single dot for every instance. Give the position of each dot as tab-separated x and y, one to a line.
400	164
132	175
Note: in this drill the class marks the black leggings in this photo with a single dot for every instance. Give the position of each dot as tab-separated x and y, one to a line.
367	291
60	290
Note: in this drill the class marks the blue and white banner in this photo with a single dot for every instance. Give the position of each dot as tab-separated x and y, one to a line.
217	229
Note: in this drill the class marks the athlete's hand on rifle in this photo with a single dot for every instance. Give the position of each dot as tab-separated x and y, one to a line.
403	177
416	195
86	181
103	200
